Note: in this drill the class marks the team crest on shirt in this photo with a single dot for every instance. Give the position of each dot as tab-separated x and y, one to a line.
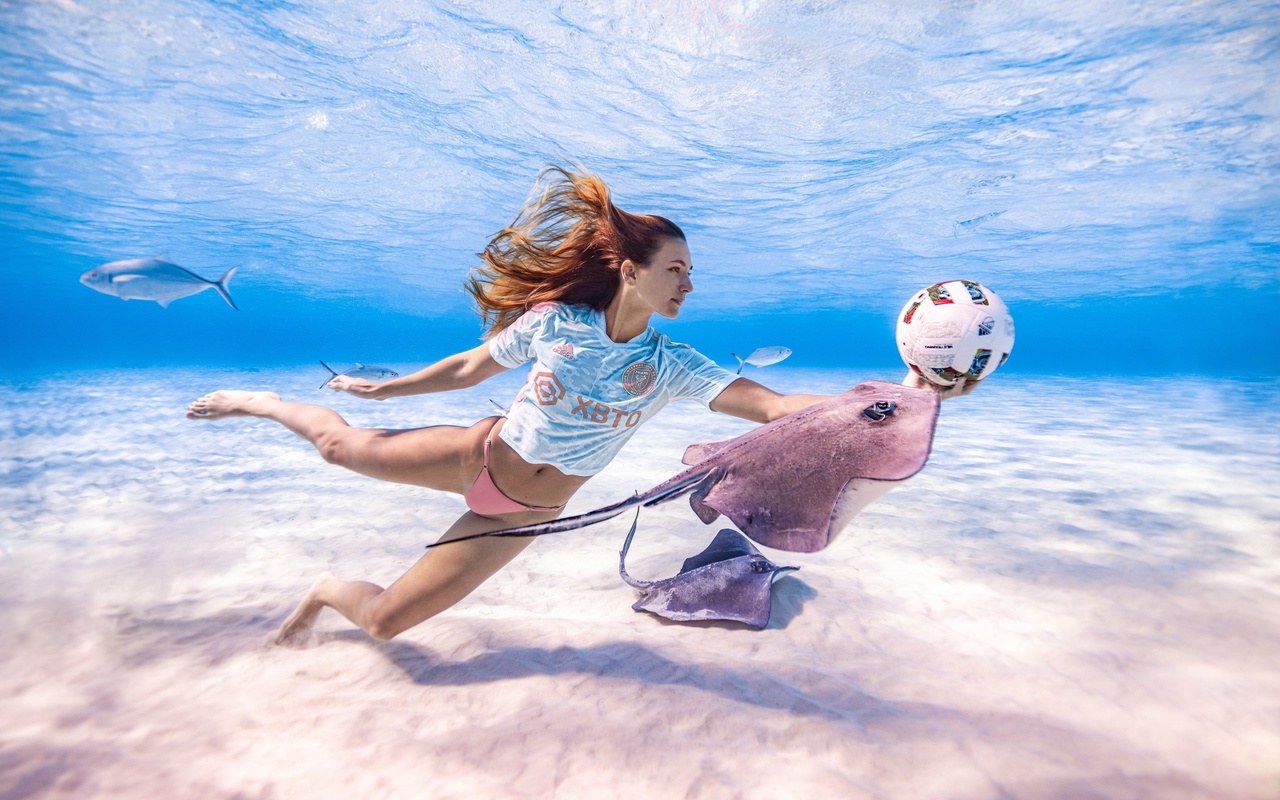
639	378
565	350
547	388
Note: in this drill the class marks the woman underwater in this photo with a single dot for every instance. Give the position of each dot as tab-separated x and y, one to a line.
570	285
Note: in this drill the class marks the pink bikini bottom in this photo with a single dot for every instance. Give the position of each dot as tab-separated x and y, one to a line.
485	498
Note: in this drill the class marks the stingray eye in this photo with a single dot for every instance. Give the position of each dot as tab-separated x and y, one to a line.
878	410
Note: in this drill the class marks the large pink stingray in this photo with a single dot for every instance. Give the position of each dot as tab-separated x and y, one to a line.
793	484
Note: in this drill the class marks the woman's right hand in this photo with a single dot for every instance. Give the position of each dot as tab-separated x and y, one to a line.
356	387
960	388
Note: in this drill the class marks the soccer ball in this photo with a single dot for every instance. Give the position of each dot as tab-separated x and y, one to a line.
954	330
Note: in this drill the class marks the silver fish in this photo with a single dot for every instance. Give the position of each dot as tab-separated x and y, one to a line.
153	279
763	357
969	223
972	223
368	373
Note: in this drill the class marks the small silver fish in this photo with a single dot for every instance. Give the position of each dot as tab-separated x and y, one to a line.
368	373
153	279
971	223
763	357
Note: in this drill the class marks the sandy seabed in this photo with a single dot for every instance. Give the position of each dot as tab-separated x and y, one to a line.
1076	598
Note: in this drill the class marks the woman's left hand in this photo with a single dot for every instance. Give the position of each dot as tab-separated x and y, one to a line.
960	388
356	387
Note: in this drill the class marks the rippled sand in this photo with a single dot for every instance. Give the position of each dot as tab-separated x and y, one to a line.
1077	597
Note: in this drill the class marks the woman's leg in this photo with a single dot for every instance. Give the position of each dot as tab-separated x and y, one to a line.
444	457
442	577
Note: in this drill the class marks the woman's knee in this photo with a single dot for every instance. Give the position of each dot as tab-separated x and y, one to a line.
336	446
330	448
376	621
384	620
382	631
385	627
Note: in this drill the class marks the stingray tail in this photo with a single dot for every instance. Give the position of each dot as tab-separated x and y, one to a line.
622	557
690	480
741	363
680	485
222	284
332	374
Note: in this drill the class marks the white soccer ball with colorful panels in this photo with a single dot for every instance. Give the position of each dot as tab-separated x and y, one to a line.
954	330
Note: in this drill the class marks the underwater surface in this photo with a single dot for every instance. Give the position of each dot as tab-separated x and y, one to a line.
1074	598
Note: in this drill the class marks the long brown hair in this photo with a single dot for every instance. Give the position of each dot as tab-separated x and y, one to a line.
567	244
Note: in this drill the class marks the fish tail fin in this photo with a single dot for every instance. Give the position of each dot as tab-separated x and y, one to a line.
741	363
332	374
222	284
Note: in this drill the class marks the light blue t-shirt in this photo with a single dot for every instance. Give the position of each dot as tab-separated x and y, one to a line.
586	393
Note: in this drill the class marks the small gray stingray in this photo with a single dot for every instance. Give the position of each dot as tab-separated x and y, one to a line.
729	580
792	484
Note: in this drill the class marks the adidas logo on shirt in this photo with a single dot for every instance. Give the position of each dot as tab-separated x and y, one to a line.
565	350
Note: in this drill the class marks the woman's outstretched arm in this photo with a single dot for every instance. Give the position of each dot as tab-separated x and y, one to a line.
749	400
457	371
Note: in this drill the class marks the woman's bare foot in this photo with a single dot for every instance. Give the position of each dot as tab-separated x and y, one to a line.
217	405
295	629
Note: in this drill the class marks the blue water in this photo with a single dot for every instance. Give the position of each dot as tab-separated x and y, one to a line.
1110	170
1074	598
